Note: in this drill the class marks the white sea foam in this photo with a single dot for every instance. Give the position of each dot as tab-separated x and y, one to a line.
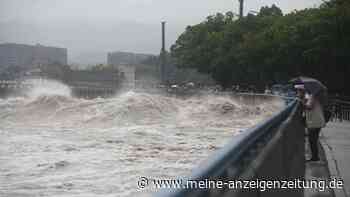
52	144
46	87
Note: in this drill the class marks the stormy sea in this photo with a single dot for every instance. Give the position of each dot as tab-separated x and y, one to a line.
53	144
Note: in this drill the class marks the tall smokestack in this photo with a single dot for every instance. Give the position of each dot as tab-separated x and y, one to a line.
241	8
163	55
163	36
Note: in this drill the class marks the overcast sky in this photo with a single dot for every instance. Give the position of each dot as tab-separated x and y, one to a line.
91	28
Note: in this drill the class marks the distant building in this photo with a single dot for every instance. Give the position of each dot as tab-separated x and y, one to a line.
92	78
128	75
125	58
127	64
31	56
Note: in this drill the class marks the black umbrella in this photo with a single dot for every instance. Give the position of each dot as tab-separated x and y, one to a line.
314	87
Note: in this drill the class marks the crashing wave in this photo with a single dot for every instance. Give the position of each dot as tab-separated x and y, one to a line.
133	108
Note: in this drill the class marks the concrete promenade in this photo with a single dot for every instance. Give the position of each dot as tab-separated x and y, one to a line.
335	141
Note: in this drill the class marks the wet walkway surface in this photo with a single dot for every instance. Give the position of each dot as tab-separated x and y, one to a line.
317	171
334	160
335	140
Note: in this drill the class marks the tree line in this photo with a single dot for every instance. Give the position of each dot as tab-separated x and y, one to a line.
269	47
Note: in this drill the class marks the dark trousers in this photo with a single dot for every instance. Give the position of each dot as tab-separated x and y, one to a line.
313	140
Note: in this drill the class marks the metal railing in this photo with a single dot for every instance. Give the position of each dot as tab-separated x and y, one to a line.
340	110
273	149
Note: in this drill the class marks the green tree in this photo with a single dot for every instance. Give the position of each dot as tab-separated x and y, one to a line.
271	47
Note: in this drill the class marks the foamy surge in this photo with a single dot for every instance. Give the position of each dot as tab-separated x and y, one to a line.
136	109
55	145
46	87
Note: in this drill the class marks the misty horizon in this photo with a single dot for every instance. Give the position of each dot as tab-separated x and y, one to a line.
89	30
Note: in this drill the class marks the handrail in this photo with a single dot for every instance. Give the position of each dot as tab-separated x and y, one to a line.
232	152
340	110
340	101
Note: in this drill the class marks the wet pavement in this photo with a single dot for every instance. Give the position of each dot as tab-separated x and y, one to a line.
335	139
334	160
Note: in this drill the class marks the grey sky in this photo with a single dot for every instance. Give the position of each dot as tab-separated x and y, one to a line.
91	28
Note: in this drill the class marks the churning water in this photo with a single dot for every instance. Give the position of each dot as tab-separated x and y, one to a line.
52	144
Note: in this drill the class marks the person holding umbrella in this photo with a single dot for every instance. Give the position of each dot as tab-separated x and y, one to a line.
313	95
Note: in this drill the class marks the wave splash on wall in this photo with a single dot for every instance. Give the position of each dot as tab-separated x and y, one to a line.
53	103
53	144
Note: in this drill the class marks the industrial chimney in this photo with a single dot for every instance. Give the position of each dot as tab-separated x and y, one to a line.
241	8
163	55
163	36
